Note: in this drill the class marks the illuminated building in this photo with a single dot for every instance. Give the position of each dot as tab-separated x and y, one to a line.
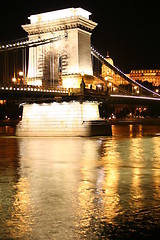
107	73
151	76
68	55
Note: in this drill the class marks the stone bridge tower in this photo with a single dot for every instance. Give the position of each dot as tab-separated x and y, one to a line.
69	54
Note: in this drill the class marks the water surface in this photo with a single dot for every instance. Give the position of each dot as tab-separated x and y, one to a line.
81	188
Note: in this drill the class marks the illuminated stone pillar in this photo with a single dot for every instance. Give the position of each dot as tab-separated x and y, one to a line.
70	51
70	119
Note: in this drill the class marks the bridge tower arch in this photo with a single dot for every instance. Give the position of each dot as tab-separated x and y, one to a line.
68	56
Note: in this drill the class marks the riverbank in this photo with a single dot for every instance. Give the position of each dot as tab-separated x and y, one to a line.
136	121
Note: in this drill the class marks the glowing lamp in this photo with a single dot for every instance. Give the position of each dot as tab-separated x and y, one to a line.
20	73
14	80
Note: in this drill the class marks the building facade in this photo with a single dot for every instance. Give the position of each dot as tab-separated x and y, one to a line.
144	75
150	75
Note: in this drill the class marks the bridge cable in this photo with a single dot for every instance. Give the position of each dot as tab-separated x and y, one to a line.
99	56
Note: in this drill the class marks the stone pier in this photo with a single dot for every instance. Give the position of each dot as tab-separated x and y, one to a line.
67	119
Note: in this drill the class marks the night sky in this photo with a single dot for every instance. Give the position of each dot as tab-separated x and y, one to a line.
129	30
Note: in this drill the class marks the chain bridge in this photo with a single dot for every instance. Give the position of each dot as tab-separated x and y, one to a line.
57	64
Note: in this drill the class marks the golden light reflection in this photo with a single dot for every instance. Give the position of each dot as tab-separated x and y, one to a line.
156	165
86	189
20	222
108	182
51	168
140	130
72	188
136	152
136	189
131	130
145	170
110	197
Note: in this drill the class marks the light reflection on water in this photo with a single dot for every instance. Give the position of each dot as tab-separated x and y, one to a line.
81	188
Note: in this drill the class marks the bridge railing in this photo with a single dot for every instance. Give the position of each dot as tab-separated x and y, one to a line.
32	88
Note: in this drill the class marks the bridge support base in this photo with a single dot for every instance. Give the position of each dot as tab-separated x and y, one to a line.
67	119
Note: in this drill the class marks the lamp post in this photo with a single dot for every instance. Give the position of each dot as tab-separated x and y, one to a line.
21	76
19	79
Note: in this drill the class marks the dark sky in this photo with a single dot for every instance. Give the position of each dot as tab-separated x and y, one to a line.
129	30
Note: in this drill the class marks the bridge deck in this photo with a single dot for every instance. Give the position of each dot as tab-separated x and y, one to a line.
30	94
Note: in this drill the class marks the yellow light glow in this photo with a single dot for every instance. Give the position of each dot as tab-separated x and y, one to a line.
20	73
2	101
108	181
14	79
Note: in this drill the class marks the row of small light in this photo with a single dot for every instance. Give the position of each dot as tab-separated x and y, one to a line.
118	70
22	43
31	42
34	89
14	45
97	53
134	97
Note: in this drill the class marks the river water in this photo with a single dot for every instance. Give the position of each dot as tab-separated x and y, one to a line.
81	188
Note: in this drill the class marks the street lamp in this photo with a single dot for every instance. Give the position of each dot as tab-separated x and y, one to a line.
14	80
20	73
21	76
